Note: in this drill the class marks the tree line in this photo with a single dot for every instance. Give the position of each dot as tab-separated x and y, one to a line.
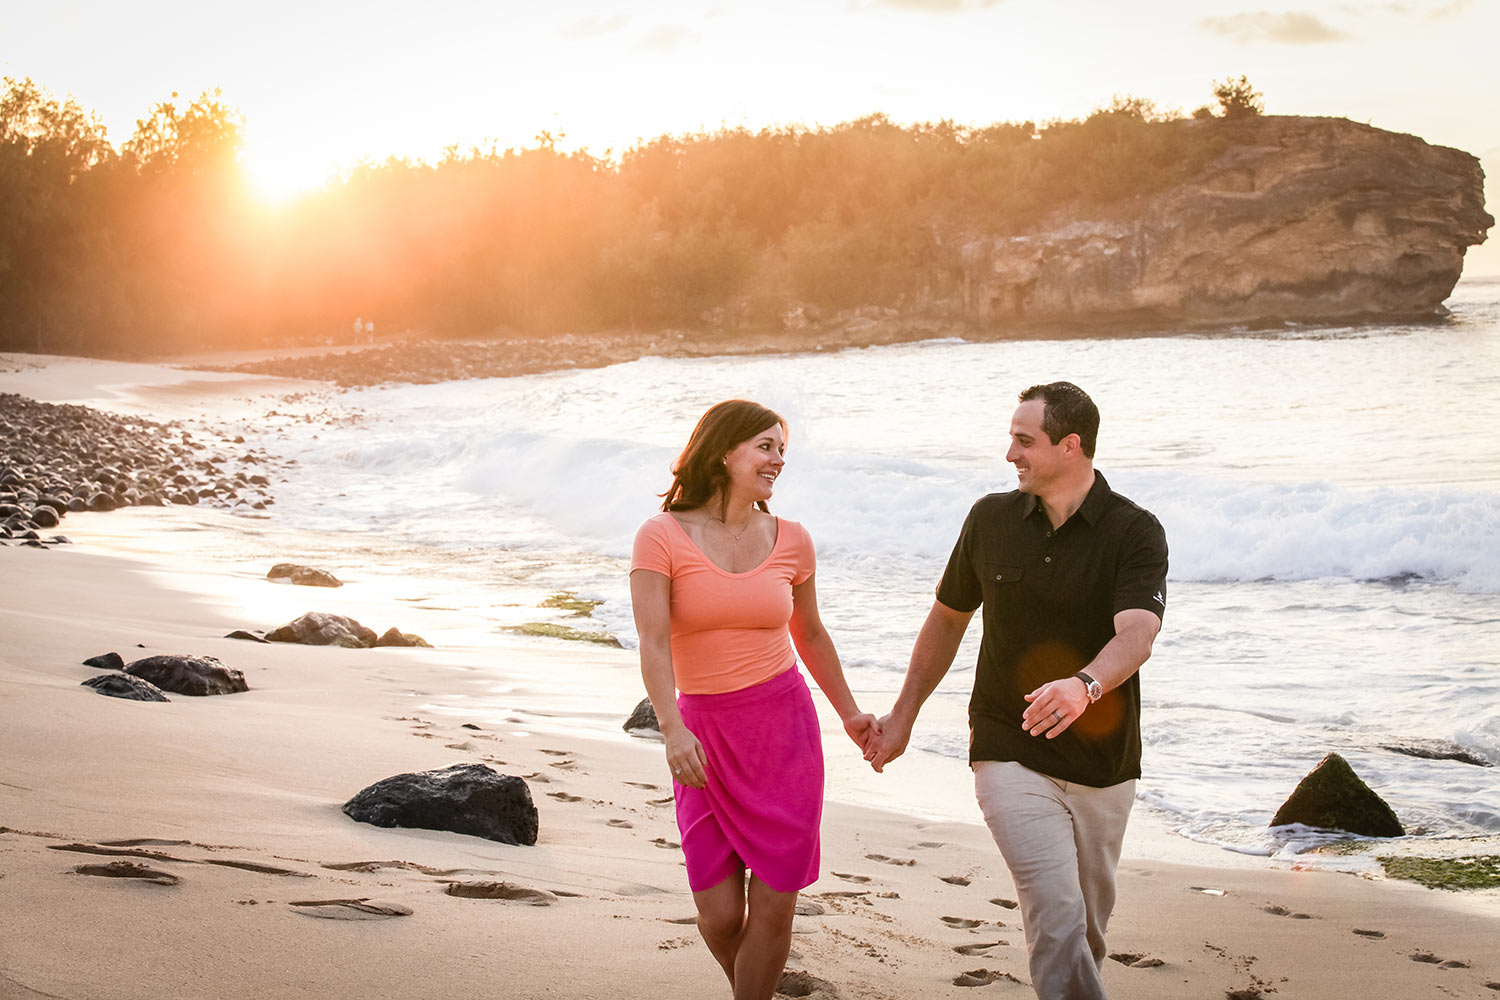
155	246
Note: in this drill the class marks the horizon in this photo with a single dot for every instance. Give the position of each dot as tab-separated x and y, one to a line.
324	85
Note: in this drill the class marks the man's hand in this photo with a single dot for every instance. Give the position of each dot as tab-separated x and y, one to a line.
1054	707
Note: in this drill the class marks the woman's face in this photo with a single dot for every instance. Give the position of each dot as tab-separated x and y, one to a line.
755	463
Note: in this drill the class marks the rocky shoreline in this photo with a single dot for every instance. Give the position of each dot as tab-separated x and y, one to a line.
67	458
423	360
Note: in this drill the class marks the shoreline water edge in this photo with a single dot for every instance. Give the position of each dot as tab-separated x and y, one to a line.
241	805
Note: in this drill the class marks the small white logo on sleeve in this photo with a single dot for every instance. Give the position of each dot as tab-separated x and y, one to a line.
1159	598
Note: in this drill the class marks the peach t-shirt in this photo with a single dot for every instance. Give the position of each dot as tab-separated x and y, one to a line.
729	630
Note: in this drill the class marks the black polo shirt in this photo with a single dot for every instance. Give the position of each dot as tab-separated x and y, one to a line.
1049	600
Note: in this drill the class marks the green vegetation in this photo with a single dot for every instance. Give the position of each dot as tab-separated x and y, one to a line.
157	247
1471	872
551	630
571	603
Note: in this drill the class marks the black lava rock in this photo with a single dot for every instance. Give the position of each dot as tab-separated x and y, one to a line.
190	675
1332	797
471	799
127	687
644	717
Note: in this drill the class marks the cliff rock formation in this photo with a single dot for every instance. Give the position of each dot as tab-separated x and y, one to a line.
1300	219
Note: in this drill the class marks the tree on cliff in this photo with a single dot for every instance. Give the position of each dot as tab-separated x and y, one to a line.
1237	99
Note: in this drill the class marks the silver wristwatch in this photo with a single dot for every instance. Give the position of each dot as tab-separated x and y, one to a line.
1093	687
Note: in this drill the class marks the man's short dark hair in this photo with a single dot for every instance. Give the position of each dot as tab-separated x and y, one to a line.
1066	409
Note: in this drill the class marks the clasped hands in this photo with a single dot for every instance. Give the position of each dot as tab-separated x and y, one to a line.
1050	710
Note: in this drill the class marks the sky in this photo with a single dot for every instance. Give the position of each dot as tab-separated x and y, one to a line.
324	84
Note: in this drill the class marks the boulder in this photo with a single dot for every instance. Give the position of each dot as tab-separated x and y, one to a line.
318	628
303	576
395	637
644	717
1332	797
190	675
125	686
472	799
106	661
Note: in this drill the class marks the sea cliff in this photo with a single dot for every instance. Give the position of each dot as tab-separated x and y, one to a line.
1298	220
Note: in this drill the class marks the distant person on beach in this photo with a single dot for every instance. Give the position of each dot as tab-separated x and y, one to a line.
1072	577
723	592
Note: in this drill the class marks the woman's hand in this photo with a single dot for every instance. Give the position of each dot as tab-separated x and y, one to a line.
862	728
686	758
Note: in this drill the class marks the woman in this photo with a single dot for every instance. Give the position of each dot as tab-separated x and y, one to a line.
722	591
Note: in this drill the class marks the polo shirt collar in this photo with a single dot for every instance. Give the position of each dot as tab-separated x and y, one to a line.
1092	507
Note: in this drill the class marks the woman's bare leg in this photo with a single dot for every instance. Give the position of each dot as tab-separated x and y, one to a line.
721	920
764	943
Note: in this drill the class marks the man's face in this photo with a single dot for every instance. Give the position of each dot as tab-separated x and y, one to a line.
1038	461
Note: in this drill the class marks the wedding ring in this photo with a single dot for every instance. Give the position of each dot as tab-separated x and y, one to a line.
1058	714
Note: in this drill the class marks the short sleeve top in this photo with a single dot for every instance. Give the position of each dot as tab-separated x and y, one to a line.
729	630
1049	597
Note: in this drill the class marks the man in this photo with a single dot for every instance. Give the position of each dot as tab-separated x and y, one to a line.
1072	577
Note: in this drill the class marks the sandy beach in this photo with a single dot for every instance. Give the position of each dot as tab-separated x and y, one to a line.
274	892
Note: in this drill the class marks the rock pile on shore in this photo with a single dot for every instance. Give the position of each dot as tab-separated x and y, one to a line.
59	459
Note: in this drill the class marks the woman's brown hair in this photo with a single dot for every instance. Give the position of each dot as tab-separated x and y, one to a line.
699	471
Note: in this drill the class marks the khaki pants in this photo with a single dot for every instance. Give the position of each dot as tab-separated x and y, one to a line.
1061	842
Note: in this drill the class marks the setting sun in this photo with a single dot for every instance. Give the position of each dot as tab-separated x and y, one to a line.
278	173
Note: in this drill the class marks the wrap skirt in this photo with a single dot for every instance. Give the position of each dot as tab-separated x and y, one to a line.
762	805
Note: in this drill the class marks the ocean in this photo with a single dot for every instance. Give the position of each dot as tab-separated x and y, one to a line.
1331	498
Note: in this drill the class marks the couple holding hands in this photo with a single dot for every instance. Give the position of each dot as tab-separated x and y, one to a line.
1071	577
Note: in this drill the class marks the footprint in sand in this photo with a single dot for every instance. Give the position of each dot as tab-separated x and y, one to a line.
1431	959
962	923
661	802
890	861
643	784
796	983
681	920
1282	911
564	797
623	824
129	869
976	948
351	909
665	844
501	890
807	908
370	867
538	776
135	852
955	879
983	977
1136	961
1009	904
557	753
857	879
1369	934
930	844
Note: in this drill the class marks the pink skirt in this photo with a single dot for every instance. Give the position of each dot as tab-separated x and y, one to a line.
763	803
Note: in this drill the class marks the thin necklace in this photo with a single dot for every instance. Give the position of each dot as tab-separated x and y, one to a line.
727	528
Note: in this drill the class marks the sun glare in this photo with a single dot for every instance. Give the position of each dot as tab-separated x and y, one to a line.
278	175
